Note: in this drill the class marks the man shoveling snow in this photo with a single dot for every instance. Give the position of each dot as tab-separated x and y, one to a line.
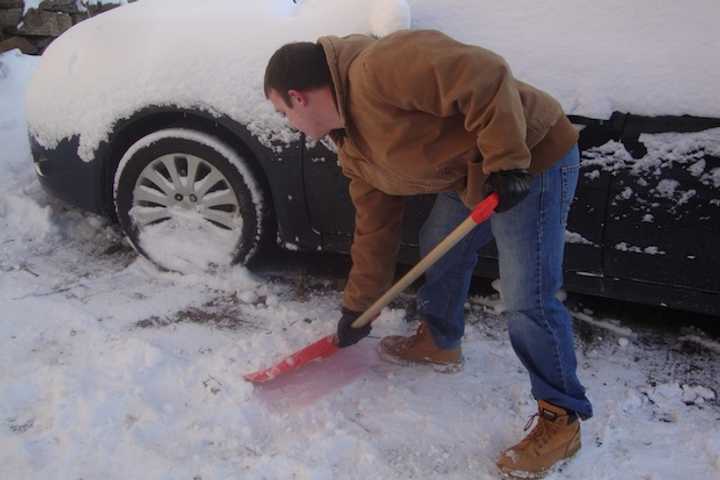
417	112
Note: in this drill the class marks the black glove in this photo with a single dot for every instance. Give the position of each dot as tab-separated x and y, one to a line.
512	186
346	334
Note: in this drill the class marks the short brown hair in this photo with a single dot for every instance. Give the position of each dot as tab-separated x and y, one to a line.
296	66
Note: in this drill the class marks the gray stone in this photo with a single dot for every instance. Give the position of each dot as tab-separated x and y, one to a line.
41	43
98	8
5	4
65	6
23	44
45	24
79	17
10	18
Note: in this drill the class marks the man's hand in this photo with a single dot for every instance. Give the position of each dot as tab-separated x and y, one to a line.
512	186
346	334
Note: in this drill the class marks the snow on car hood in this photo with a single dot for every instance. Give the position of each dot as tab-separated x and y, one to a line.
208	55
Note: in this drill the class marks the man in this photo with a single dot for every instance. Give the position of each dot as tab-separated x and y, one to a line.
418	112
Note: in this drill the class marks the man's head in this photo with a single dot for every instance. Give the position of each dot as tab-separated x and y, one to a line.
298	83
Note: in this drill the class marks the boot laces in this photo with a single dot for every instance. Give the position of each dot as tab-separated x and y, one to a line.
530	421
541	432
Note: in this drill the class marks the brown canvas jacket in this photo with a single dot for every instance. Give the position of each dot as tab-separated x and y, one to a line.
424	113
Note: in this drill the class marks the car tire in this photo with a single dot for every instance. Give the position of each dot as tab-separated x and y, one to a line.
187	201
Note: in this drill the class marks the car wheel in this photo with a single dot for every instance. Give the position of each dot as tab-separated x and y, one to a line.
188	202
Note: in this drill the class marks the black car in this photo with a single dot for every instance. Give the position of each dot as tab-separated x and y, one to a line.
192	183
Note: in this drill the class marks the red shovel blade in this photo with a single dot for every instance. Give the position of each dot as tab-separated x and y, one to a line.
323	348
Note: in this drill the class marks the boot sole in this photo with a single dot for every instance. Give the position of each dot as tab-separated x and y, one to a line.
522	475
438	367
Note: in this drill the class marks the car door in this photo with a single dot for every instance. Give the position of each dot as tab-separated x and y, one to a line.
332	213
663	214
586	219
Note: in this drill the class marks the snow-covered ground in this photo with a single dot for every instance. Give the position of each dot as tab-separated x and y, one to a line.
111	369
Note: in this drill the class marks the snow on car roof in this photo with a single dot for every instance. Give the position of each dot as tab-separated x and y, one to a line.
642	57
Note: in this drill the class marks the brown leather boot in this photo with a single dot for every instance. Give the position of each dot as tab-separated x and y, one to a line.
420	348
556	437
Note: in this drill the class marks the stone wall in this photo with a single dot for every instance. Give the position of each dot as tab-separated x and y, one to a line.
34	30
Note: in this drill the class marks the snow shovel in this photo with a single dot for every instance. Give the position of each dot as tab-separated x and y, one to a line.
327	345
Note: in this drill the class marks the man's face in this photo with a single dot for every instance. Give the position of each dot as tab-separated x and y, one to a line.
301	114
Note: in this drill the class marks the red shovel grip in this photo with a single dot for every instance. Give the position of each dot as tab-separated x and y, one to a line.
484	209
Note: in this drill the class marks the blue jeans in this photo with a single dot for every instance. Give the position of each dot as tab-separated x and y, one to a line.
530	238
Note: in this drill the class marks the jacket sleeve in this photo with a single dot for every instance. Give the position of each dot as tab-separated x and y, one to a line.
435	74
376	241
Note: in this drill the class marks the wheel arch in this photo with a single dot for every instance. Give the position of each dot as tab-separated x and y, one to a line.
279	173
129	130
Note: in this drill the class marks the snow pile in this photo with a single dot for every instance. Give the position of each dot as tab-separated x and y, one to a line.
25	218
15	71
670	399
197	247
697	394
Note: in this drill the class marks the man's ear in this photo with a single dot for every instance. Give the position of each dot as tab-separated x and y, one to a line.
297	98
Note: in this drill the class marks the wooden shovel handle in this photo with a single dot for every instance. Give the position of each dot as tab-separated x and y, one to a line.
480	213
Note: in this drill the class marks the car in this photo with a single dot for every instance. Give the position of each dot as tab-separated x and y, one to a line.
154	114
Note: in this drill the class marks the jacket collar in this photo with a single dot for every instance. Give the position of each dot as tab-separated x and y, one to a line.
340	53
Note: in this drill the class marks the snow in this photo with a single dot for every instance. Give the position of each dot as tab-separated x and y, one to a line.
666	154
573	237
627	193
650	250
644	57
697	169
114	370
666	188
217	246
111	79
604	323
715	176
593	175
389	16
666	55
663	151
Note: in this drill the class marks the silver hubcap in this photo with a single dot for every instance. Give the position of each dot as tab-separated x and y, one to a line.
181	184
